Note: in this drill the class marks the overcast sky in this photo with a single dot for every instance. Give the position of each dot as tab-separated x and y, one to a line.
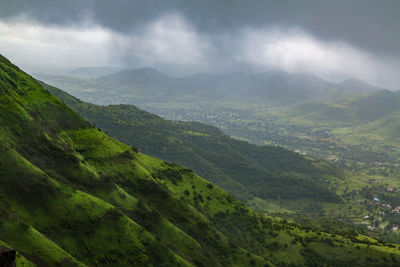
335	40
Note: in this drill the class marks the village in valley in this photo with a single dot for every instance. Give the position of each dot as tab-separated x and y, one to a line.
386	209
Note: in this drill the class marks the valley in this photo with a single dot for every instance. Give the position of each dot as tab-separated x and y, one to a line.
361	173
367	149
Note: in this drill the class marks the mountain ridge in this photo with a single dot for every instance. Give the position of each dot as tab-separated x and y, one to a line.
215	153
73	196
273	88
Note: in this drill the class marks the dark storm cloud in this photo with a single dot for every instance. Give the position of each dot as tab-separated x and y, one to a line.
333	39
369	24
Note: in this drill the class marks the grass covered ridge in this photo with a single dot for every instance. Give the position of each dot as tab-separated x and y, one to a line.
70	195
247	171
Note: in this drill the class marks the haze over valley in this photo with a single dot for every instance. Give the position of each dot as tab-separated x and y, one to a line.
199	133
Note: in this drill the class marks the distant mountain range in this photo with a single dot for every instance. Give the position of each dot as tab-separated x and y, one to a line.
273	88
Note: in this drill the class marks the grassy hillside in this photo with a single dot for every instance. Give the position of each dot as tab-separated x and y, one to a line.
387	127
247	171
72	196
235	166
352	112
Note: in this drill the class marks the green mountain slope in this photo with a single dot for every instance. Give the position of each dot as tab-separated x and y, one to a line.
248	171
267	178
387	127
72	196
352	112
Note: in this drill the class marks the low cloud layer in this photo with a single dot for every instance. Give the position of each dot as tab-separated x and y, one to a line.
206	37
296	51
169	39
40	48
